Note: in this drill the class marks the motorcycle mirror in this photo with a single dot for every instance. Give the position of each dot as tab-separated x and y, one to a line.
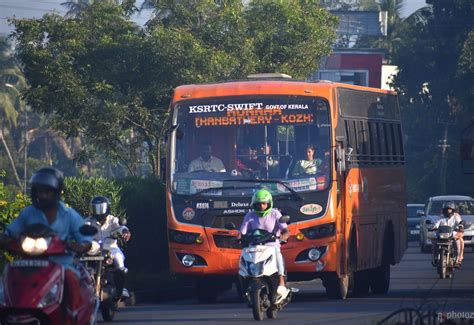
123	221
420	213
88	230
230	226
284	219
428	222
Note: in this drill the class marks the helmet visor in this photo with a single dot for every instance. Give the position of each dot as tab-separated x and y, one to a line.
99	208
260	206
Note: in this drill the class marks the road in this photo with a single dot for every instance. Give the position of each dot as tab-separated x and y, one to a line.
414	284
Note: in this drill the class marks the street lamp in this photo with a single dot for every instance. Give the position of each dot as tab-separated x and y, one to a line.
25	167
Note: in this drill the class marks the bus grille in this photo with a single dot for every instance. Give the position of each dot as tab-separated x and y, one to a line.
223	241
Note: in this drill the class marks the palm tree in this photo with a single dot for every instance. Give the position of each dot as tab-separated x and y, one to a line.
12	82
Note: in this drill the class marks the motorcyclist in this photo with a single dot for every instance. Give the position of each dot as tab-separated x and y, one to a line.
450	218
109	224
48	209
263	216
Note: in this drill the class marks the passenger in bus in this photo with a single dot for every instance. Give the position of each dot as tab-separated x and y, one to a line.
247	161
308	166
263	216
207	162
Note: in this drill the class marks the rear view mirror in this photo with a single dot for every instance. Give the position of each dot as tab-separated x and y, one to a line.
284	219
420	213
123	221
428	222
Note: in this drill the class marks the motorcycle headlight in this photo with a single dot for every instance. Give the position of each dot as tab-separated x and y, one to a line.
95	248
255	269
35	246
50	297
444	235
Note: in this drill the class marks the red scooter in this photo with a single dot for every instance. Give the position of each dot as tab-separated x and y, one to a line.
32	288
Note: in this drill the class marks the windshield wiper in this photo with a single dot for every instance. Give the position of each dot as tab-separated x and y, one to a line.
271	181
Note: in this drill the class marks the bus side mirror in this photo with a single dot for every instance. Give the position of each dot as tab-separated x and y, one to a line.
340	158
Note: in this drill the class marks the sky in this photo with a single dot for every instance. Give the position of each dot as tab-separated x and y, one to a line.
37	8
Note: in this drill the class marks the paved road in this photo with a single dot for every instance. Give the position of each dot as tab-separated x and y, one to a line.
414	284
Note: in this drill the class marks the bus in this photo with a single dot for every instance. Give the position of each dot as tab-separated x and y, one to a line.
348	213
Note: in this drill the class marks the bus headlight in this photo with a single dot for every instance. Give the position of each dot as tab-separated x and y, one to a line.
188	260
320	231
183	237
314	254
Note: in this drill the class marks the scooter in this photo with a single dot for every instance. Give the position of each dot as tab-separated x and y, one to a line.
100	264
32	288
258	273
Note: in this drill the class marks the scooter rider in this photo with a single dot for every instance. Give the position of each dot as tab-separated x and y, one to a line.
109	224
48	209
263	216
450	218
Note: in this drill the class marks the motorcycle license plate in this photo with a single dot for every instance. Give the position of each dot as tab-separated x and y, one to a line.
29	263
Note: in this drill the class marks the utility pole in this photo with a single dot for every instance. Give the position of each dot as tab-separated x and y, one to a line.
443	144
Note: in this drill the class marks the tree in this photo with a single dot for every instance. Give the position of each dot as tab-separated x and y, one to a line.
114	85
436	83
12	81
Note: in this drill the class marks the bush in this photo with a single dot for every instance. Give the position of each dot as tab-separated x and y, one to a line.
12	202
79	190
144	200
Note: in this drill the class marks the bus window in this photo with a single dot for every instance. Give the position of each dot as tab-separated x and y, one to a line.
253	138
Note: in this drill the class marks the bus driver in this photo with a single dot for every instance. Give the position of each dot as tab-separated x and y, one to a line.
206	162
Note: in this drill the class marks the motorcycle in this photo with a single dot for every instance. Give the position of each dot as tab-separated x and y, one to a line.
444	249
32	289
107	278
258	273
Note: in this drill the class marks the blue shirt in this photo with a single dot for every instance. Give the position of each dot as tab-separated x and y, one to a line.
66	226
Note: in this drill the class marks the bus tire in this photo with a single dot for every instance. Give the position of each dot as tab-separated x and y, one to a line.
361	283
336	287
380	279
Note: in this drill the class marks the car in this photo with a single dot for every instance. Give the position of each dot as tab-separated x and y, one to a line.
432	212
414	213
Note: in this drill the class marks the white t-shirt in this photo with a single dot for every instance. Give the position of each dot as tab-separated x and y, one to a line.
214	164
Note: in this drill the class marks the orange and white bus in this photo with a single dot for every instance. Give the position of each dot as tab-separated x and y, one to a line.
348	212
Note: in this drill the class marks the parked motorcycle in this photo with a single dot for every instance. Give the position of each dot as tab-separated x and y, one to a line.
444	249
32	289
258	273
107	278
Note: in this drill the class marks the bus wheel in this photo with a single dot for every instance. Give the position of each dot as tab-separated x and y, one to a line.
361	283
336	287
380	279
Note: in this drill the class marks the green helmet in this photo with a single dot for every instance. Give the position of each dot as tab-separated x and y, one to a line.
262	196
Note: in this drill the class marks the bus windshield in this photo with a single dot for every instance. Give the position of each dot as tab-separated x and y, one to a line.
281	138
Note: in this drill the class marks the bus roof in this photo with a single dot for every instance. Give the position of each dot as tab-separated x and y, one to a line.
271	86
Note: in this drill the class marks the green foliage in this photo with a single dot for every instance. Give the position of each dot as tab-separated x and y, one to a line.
436	82
144	200
11	202
79	191
114	85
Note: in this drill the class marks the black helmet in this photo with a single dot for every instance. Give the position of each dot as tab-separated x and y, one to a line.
100	207
48	178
